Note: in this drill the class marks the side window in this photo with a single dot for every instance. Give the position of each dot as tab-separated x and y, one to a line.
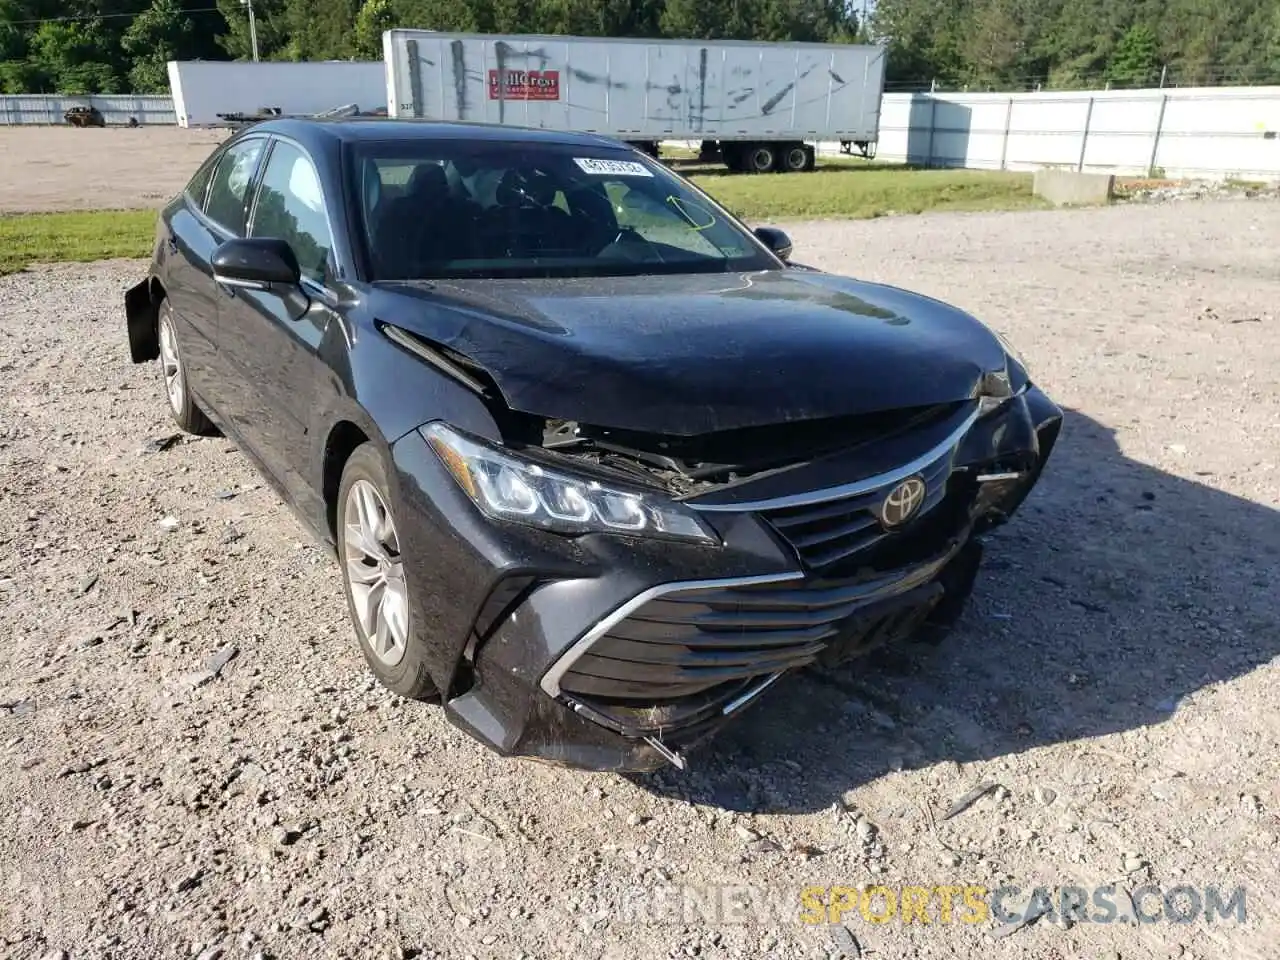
291	208
230	185
199	184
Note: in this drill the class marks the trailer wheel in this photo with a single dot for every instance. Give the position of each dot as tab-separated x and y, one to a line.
795	158
760	158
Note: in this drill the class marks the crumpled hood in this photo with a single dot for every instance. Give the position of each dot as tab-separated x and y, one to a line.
693	354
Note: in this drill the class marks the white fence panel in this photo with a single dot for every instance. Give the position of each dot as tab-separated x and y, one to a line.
116	109
1210	132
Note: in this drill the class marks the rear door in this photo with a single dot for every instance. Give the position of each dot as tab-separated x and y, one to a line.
214	211
275	355
184	257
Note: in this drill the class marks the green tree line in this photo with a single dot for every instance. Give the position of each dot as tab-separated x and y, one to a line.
1066	44
119	46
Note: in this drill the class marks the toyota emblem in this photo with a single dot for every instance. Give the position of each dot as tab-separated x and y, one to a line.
902	503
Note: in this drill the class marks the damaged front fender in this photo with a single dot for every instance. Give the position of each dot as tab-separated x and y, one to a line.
140	315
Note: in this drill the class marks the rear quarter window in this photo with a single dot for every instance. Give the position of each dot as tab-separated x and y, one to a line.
229	187
198	185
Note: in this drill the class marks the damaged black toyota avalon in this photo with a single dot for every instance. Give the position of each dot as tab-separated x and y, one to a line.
599	465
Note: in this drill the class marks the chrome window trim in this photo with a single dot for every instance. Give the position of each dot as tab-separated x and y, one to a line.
211	162
550	682
857	487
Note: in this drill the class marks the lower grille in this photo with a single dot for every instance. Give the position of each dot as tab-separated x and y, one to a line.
824	533
713	643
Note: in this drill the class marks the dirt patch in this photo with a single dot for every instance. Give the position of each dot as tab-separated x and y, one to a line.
1115	679
111	168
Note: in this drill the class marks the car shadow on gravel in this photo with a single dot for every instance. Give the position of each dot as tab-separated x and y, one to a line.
1118	593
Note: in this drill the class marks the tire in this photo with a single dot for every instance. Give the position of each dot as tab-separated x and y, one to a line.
760	157
959	578
173	376
374	579
795	158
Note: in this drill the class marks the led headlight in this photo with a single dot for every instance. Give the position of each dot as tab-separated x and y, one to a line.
507	487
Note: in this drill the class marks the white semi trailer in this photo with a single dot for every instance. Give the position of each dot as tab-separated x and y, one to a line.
756	106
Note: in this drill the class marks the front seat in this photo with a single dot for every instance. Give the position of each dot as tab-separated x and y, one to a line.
412	231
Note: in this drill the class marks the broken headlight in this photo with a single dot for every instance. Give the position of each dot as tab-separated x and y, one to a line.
998	387
507	487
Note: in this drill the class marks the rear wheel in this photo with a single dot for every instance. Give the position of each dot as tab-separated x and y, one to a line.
795	158
760	158
374	578
173	374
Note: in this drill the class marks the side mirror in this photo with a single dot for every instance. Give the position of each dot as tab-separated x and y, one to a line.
256	263
776	240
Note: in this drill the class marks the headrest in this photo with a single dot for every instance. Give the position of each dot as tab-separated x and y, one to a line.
428	179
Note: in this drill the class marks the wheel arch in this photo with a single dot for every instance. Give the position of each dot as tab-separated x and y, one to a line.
142	316
342	440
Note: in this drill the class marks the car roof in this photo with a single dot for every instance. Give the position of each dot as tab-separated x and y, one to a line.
357	129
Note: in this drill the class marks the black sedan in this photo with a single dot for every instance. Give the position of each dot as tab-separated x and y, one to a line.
598	463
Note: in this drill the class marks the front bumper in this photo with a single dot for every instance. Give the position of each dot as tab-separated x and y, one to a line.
620	654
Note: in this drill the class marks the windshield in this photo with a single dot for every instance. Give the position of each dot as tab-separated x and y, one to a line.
454	208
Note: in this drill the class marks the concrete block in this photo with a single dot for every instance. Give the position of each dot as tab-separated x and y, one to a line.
1068	187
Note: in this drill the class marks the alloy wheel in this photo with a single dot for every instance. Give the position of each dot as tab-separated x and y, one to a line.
375	573
171	366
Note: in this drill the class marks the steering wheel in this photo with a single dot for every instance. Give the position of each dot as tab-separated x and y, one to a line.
517	237
631	234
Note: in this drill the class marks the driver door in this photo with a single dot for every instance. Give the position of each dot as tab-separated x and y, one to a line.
274	352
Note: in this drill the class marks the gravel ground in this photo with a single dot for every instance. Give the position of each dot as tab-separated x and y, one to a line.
1116	676
111	168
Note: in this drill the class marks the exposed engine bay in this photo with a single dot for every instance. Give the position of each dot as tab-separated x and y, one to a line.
685	466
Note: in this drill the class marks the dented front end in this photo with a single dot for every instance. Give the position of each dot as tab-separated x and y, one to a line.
622	653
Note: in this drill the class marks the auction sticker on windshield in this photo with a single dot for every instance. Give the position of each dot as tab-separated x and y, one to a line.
617	168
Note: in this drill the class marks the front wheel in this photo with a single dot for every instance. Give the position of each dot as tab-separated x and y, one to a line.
173	373
374	578
958	579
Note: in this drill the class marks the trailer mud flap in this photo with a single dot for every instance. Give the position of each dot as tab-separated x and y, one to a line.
140	316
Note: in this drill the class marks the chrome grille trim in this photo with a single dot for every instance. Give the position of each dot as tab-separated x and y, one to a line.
550	682
827	533
855	488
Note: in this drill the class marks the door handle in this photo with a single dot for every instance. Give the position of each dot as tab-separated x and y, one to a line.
172	244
